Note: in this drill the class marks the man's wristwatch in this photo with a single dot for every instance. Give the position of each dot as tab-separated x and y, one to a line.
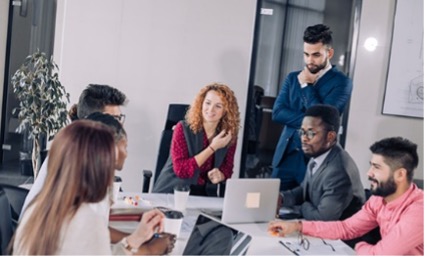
126	246
304	85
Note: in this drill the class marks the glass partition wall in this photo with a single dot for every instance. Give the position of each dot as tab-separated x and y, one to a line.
278	50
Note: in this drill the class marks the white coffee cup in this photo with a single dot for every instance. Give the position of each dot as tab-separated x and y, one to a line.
173	221
181	193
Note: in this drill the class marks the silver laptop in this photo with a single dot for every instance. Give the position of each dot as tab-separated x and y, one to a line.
211	237
250	200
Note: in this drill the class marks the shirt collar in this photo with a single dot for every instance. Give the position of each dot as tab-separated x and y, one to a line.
400	200
319	160
323	71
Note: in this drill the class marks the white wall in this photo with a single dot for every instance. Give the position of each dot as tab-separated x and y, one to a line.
157	52
366	123
160	51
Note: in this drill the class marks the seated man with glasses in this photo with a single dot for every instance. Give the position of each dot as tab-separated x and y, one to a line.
396	206
99	98
332	188
95	98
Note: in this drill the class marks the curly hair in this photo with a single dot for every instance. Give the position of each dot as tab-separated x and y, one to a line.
230	122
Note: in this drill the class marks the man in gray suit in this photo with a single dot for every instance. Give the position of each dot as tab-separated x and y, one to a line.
331	189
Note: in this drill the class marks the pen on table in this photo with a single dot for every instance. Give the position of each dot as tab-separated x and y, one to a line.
287	247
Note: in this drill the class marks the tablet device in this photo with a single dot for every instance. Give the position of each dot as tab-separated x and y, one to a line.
211	237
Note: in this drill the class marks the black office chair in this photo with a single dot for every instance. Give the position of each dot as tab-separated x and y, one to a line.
372	237
419	183
16	197
176	113
255	119
6	226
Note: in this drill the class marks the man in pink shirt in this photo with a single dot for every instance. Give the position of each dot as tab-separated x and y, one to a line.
396	206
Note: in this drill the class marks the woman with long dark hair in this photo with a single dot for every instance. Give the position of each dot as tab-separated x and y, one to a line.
60	220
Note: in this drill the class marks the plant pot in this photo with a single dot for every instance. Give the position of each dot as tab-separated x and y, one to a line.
26	164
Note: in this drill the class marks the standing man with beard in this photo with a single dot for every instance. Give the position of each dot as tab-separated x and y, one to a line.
396	206
318	83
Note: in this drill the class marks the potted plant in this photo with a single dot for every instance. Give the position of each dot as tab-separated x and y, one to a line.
42	101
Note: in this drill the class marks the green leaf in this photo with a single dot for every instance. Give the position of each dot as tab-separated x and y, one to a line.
41	95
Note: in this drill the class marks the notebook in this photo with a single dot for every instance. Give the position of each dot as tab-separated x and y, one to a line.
211	237
250	200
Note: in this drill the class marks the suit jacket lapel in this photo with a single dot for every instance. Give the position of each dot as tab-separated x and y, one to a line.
330	157
329	75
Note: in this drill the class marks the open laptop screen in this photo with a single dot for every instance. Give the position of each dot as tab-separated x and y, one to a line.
211	237
250	200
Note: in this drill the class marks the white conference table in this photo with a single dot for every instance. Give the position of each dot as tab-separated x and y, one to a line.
262	242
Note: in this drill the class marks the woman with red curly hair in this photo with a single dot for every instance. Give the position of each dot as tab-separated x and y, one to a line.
203	145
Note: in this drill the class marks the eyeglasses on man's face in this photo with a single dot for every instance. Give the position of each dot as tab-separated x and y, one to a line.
309	133
120	117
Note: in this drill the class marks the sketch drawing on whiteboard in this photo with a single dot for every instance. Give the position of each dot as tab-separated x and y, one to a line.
416	90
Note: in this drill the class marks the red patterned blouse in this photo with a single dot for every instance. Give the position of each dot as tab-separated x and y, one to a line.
185	166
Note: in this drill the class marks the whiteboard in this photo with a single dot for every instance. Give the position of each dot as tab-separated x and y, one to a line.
404	93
